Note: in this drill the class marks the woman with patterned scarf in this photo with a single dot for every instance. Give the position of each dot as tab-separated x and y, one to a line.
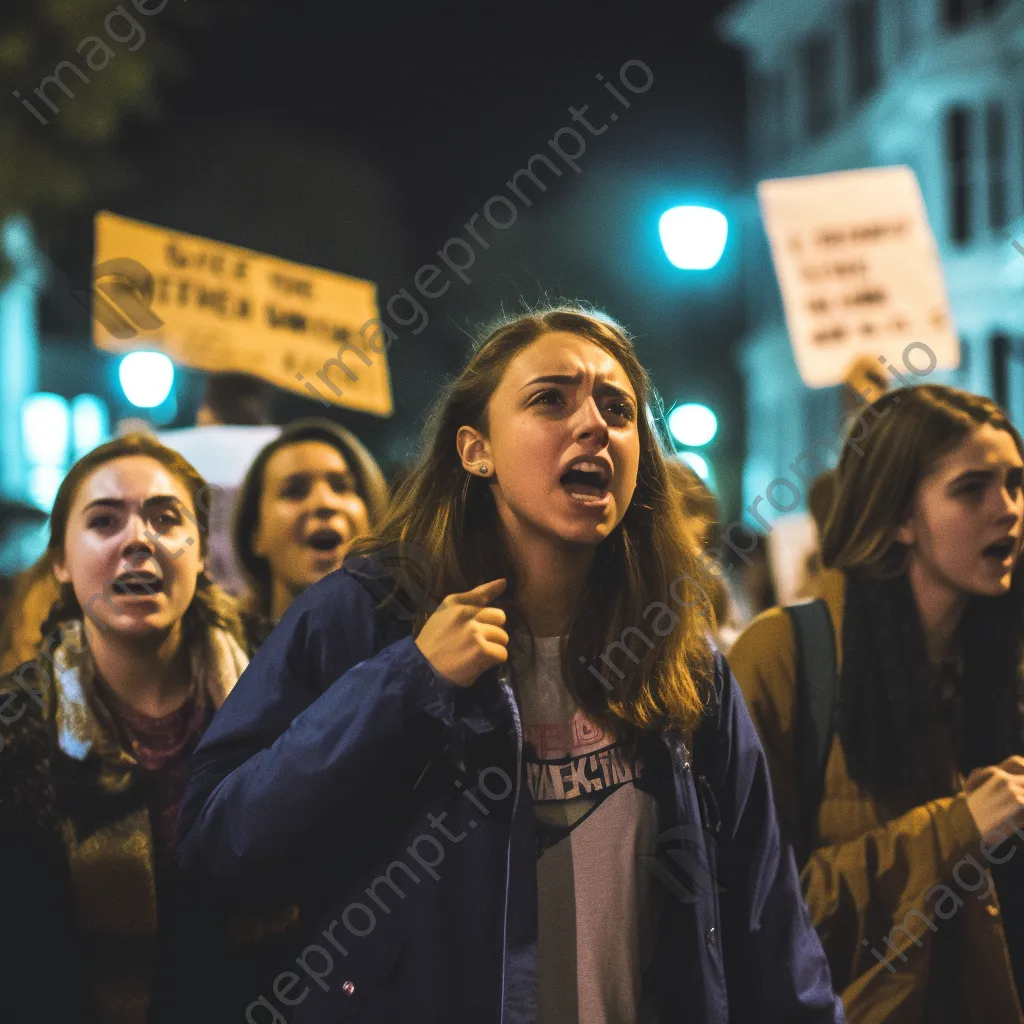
137	653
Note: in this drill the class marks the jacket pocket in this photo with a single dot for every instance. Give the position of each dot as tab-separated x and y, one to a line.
361	986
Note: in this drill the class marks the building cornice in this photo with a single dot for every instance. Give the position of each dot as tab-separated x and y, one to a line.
764	27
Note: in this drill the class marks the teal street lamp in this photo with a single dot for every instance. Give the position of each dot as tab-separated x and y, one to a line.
146	378
693	237
692	424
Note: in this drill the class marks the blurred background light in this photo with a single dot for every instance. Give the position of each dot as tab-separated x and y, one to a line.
90	423
693	237
45	429
698	464
692	424
146	378
43	483
45	436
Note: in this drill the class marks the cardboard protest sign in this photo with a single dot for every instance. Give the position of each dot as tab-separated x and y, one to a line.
859	271
218	307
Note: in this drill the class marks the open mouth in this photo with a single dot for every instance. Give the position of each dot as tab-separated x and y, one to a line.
587	483
138	584
1001	551
325	540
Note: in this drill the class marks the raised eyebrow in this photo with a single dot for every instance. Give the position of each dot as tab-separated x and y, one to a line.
575	379
104	503
163	499
974	474
608	386
119	503
554	378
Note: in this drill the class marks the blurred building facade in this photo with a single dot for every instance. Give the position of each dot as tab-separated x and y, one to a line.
937	85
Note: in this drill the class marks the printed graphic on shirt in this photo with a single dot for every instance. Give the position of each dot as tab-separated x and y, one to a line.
586	775
596	914
568	789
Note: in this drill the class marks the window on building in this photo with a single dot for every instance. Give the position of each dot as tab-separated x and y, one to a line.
818	68
954	12
959	12
958	154
767	117
995	153
1000	352
901	16
777	121
862	19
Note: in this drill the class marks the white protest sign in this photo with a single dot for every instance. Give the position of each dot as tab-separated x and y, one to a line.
859	271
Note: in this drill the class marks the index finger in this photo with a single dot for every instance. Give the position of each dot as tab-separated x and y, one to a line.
1014	764
977	777
483	594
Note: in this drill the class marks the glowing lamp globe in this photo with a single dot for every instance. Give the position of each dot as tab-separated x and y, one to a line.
146	378
693	237
692	424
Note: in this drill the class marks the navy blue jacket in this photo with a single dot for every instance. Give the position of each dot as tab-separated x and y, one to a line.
343	774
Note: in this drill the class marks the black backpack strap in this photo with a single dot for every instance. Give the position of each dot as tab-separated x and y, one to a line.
817	681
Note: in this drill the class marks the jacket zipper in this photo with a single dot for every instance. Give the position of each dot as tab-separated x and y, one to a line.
510	697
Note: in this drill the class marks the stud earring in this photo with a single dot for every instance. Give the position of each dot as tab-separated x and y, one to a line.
483	471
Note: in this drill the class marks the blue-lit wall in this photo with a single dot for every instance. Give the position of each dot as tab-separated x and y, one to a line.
19	349
841	84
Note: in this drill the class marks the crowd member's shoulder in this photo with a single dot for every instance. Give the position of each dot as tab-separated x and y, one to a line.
347	597
763	657
26	695
347	614
27	745
256	627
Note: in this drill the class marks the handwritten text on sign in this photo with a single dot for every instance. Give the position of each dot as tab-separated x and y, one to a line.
858	268
223	308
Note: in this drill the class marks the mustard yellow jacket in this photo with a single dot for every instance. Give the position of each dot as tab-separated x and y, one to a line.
900	950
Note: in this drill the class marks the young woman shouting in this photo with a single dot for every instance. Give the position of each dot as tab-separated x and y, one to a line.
137	652
540	799
910	866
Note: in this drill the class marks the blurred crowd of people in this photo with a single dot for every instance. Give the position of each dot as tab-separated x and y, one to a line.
158	876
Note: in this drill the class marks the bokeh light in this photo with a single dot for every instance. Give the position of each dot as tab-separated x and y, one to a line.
698	464
693	237
146	378
692	424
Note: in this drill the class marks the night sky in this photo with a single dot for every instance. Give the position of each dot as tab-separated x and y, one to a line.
362	141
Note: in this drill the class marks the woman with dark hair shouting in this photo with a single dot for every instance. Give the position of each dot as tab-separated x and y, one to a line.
306	496
906	822
537	796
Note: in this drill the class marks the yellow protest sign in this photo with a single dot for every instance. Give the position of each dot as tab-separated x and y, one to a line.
219	308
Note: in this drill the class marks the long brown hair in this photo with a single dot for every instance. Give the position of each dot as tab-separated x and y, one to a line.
887	680
651	555
210	607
